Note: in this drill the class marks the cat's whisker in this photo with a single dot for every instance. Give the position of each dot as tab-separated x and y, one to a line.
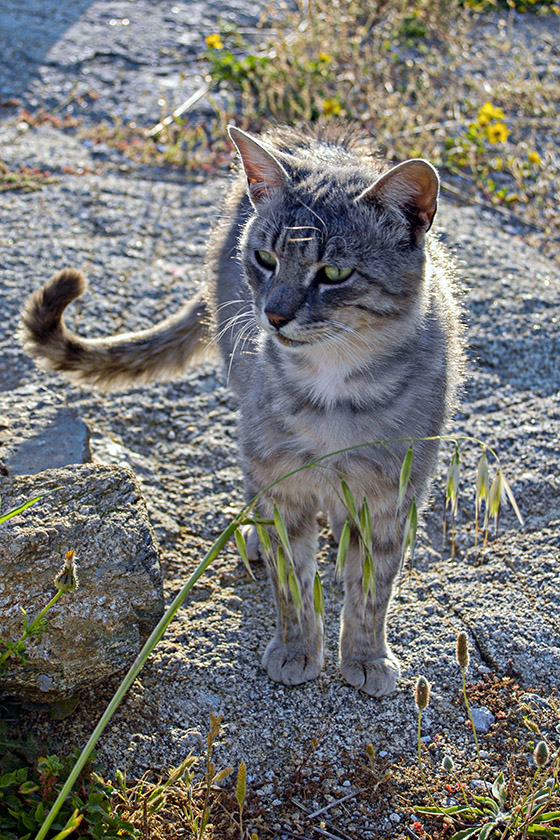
302	227
242	333
229	303
231	322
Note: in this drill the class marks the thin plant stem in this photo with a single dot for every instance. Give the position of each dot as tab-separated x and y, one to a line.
461	788
420	767
29	629
473	727
134	670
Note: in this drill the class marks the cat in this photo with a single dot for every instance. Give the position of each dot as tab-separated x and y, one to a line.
336	319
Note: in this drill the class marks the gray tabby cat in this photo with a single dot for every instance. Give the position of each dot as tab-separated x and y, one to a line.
322	270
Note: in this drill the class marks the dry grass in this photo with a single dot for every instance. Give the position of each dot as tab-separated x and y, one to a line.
418	78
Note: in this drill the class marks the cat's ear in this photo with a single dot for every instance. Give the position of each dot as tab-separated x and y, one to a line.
411	187
264	173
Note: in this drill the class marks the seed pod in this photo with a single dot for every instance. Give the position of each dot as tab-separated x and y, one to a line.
350	501
67	579
494	498
482	480
343	545
368	578
422	693
264	540
365	525
448	764
243	553
280	526
282	569
410	527
541	754
404	477
462	652
452	485
318	596
241	788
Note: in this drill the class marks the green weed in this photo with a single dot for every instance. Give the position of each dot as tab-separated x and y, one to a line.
504	811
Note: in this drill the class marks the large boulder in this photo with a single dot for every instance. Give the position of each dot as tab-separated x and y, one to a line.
96	630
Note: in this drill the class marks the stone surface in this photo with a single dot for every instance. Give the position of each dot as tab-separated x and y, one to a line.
482	718
96	630
43	434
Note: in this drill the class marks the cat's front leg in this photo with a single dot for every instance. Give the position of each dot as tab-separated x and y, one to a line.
295	653
366	660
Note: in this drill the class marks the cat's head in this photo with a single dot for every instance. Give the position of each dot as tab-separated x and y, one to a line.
334	250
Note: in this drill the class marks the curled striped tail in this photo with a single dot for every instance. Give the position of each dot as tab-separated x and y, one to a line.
116	361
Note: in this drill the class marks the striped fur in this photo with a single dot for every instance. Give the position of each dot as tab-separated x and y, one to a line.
319	366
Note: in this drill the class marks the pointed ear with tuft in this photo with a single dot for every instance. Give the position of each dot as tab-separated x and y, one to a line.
411	187
264	173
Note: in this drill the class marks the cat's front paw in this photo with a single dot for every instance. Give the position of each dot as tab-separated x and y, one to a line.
376	678
289	665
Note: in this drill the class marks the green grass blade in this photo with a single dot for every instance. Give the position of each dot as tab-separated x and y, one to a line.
280	526
318	596
404	477
343	545
350	502
20	508
242	549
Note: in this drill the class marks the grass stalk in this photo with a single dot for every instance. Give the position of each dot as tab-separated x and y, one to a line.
473	727
134	670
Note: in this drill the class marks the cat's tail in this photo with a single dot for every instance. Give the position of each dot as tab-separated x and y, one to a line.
109	363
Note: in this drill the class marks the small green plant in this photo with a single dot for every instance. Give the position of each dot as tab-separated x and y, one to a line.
27	793
502	812
183	797
65	581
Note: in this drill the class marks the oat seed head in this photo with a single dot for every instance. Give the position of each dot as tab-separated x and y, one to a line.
422	693
448	764
462	652
541	754
241	787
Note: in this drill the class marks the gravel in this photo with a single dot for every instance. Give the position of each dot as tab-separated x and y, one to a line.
140	237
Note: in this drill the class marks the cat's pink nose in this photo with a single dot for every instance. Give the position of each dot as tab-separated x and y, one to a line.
277	321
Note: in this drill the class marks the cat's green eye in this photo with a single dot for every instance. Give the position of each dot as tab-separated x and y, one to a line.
337	275
266	259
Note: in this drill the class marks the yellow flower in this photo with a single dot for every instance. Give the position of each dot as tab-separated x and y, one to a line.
331	106
497	132
534	157
214	42
325	57
488	113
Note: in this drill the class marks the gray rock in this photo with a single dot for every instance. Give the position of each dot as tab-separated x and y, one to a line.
96	630
42	434
482	718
